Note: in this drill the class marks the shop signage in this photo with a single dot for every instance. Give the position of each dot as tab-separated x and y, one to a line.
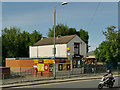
68	49
35	60
62	61
77	56
49	61
40	61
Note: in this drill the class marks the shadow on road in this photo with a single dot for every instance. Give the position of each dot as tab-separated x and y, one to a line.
116	87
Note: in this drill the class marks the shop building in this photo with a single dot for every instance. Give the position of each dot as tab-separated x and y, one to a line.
71	47
37	66
69	53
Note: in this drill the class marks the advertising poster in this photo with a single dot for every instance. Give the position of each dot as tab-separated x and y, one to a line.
65	67
60	67
46	67
68	66
51	70
51	65
74	64
78	63
40	67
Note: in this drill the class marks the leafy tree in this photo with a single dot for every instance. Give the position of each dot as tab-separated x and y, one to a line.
16	43
83	35
64	30
111	34
108	50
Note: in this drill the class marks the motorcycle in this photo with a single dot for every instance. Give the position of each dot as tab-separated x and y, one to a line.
105	81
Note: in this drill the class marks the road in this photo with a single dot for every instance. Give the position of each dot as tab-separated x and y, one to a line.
74	84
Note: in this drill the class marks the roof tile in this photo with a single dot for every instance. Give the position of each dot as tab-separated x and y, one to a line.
49	41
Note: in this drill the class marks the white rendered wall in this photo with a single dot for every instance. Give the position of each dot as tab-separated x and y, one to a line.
47	51
32	51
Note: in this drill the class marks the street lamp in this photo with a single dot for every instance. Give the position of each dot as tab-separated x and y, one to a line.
54	50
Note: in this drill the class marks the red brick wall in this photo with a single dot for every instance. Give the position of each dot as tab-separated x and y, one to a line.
12	63
26	62
20	63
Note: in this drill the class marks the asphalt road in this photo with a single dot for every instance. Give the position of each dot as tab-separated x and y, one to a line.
74	84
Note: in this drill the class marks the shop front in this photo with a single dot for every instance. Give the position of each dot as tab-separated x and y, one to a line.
45	67
77	61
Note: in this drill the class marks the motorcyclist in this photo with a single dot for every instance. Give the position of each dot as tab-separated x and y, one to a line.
109	75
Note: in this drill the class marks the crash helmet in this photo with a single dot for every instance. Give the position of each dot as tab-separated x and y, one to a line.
108	71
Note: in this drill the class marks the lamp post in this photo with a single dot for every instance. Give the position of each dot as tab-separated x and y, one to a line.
54	49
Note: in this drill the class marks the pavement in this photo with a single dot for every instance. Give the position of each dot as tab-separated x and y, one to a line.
52	81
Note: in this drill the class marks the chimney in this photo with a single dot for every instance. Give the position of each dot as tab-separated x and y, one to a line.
58	37
43	38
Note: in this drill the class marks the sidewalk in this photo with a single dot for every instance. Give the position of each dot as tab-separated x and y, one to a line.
52	81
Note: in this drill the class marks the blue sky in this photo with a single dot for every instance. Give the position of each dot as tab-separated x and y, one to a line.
38	16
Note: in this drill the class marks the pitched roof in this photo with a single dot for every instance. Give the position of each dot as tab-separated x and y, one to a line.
50	41
91	53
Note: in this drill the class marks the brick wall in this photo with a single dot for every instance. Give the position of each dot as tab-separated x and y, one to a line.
20	65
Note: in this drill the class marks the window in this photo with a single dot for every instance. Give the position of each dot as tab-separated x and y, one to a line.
76	48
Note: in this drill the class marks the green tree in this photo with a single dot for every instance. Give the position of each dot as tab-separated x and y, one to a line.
108	50
16	43
64	30
83	35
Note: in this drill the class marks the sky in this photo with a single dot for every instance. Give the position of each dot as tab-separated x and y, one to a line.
90	16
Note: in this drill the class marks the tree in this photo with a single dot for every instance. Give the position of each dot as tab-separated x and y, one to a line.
108	50
64	30
83	35
16	43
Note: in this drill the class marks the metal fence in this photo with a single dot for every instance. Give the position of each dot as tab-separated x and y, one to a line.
27	74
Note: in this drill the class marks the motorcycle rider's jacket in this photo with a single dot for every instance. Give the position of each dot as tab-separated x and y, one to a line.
109	75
